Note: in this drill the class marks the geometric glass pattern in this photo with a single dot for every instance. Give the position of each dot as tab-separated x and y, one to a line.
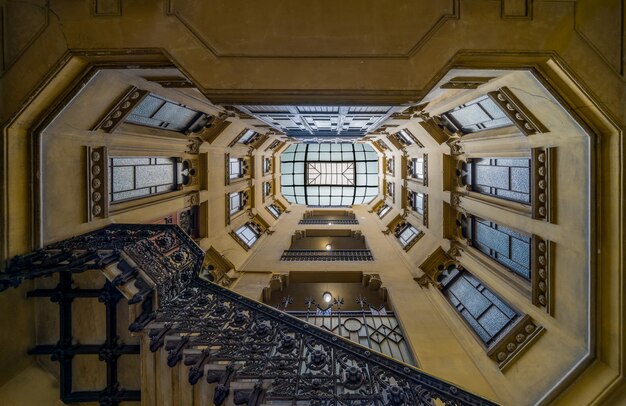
135	177
247	234
479	114
321	123
329	174
418	168
483	311
235	202
407	234
506	178
234	168
509	247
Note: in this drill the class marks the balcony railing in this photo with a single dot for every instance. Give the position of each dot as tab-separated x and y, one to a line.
266	355
327	255
329	222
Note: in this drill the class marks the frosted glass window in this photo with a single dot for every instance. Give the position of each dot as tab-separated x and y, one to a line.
274	210
235	169
407	234
247	234
479	114
246	137
483	311
506	178
509	247
417	165
383	210
391	189
158	112
267	165
416	201
235	202
136	177
404	137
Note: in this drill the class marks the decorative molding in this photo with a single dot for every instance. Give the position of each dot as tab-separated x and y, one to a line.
408	113
424	281
435	264
174	82
192	199
541	273
192	167
395	142
515	342
193	147
435	128
122	108
425	210
218	269
107	8
12	50
97	183
543	164
456	146
396	225
516	10
511	345
466	82
259	140
515	110
214	128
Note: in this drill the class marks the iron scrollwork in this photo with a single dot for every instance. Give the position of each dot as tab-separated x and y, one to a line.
226	338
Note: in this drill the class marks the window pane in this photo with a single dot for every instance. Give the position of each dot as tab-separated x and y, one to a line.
155	111
485	313
504	178
336	166
510	248
477	115
134	177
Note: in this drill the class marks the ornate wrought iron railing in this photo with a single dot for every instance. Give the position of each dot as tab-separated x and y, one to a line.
225	337
327	255
329	221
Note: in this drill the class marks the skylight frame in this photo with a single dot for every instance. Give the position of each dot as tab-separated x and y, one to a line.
296	185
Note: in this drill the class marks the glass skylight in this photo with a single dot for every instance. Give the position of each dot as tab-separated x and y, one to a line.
329	174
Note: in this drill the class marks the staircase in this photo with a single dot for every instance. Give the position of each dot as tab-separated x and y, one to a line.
202	344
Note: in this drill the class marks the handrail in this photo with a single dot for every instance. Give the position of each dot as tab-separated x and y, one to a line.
229	337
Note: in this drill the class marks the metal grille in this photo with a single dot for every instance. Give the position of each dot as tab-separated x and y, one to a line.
330	255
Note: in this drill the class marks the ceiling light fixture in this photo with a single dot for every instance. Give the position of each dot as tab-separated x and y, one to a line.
327	297
328	247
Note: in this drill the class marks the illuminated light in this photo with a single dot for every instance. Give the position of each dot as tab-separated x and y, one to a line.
328	247
327	297
330	224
